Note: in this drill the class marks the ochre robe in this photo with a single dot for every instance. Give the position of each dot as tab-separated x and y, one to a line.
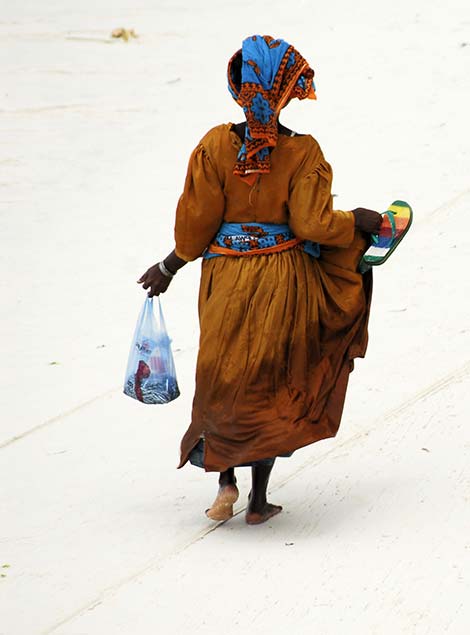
278	332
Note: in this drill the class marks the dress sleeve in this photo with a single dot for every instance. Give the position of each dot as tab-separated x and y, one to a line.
311	209
200	209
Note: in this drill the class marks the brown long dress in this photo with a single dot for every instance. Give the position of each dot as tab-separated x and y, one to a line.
278	332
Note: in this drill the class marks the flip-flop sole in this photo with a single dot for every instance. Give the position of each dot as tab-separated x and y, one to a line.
389	237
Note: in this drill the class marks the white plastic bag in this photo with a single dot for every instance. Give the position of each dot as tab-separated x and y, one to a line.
150	375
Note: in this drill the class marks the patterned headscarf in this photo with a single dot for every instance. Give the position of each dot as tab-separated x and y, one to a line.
272	73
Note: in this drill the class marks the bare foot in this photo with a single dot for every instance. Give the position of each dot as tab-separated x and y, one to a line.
222	507
262	515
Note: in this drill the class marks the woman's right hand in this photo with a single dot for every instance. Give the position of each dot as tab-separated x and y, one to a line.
154	280
367	220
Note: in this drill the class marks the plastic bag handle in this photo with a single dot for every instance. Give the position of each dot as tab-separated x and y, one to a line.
161	319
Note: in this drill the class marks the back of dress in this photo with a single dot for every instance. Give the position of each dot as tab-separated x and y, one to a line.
297	191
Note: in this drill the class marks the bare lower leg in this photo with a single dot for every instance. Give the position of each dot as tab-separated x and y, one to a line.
259	510
227	477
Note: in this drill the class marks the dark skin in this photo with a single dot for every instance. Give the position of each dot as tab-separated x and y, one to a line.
258	510
153	280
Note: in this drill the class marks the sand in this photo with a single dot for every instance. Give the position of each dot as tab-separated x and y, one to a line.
99	533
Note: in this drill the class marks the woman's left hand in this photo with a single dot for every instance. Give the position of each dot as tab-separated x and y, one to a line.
154	280
367	220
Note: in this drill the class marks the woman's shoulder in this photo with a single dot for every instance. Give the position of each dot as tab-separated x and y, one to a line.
305	149
306	141
215	141
214	135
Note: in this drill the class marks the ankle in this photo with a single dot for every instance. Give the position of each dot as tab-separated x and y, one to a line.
228	483
256	503
227	478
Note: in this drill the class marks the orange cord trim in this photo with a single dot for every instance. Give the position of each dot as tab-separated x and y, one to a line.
224	251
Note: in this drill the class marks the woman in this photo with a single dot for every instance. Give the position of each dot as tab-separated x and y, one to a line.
283	310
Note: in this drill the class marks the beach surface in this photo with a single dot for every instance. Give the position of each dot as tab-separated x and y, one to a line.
99	533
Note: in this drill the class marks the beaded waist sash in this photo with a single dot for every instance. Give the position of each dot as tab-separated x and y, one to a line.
251	239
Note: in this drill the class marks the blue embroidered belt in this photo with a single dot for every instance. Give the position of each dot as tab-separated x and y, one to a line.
251	239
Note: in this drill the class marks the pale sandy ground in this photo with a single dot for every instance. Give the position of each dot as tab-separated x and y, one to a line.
102	535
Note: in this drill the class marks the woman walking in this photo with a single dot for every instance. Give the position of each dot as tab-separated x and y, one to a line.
283	309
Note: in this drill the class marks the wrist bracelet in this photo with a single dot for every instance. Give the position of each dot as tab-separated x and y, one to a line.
166	272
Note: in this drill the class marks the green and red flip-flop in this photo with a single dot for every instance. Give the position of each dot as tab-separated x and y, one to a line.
396	222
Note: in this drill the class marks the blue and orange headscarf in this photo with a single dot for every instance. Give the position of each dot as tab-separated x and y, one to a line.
272	73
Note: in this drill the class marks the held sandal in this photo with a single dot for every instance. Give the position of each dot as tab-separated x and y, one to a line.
396	222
